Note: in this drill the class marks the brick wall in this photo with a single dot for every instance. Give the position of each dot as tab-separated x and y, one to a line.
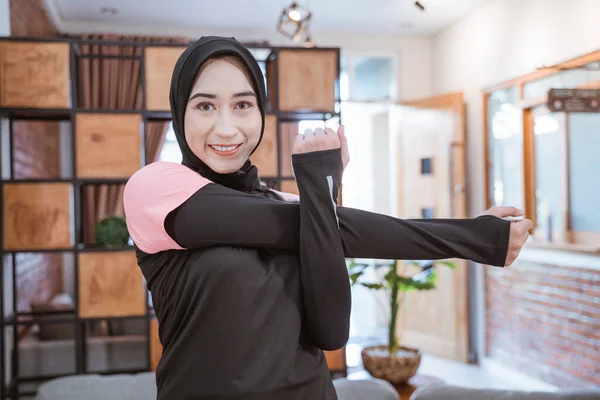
29	18
544	320
36	154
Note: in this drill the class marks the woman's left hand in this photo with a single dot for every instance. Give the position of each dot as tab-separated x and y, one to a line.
322	139
344	145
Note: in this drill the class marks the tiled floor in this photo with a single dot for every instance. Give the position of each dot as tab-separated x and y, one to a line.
459	374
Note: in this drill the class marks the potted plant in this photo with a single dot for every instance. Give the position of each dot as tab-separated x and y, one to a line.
112	232
391	361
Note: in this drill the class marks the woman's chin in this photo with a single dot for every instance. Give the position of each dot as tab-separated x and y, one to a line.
225	167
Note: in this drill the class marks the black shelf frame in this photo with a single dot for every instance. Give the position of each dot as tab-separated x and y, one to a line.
14	319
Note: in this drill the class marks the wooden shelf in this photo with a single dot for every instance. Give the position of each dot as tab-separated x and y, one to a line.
295	69
265	157
108	145
35	75
110	285
42	80
37	216
159	64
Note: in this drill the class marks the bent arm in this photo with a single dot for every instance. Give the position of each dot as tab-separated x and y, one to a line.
325	284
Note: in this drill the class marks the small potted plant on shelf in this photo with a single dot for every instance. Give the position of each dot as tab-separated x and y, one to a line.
393	362
112	232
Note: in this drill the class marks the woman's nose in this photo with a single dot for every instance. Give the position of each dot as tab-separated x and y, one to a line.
225	125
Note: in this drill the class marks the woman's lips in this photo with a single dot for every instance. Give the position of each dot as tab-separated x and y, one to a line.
225	150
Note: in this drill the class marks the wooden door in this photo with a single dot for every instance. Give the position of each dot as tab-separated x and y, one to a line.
430	139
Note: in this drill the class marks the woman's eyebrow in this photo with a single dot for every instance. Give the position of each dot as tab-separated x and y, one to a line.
247	93
214	96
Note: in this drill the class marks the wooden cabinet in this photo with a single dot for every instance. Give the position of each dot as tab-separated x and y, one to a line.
306	80
34	75
159	64
37	216
265	157
108	145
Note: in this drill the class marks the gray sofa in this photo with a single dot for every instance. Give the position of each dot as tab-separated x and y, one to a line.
448	392
142	387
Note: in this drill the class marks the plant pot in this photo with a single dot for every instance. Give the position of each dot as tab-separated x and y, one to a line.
395	368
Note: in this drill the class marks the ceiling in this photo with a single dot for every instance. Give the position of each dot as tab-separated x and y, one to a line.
381	17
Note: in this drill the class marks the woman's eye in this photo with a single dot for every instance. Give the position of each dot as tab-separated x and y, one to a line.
205	106
243	105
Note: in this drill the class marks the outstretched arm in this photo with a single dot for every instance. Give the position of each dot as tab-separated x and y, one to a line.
203	214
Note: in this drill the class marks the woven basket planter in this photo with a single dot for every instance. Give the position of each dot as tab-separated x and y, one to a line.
395	368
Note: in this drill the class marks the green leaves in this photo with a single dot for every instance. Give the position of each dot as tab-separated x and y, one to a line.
395	283
356	270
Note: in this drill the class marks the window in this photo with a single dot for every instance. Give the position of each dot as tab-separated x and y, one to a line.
505	149
427	213
548	130
546	162
584	167
426	166
368	77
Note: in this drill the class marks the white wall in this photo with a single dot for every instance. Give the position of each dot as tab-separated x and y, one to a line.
504	40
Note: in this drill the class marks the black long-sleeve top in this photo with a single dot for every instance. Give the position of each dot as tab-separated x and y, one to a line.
249	288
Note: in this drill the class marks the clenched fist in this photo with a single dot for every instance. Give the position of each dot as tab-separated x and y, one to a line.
322	139
519	230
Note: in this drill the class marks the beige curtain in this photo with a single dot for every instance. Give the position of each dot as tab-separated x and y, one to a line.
156	133
114	84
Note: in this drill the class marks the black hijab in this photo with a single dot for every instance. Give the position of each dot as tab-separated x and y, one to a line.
184	74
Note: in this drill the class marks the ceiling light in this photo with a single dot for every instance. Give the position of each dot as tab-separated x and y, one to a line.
294	23
294	15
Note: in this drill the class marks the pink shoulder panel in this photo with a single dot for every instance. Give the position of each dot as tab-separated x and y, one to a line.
150	195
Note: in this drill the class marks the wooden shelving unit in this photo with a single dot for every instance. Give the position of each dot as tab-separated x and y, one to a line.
42	80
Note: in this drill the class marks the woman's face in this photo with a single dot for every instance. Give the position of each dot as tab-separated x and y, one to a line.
222	118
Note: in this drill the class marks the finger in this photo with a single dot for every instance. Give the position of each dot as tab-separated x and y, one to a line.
505	211
341	132
525	224
509	211
319	132
329	131
308	131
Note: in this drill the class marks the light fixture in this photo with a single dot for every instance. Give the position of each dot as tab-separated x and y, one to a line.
294	23
308	42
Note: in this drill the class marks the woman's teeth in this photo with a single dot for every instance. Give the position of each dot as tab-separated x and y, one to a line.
224	148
